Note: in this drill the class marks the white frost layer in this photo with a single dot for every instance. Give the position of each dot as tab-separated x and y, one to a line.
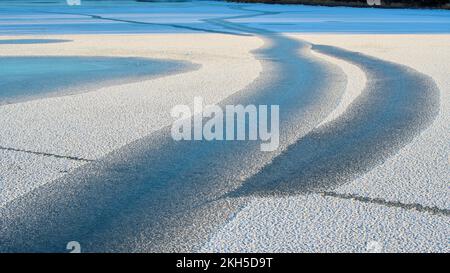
92	124
356	81
20	172
418	174
314	223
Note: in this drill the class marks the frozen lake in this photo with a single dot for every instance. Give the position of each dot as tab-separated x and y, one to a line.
103	168
56	17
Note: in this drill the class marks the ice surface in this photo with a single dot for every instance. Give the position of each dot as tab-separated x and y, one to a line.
402	203
192	16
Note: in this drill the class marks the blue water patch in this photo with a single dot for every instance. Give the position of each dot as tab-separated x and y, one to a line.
31	41
26	78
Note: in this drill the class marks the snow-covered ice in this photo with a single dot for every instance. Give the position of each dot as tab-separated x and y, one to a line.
106	133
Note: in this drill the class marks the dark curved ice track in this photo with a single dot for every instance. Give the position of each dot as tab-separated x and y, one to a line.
157	194
396	105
